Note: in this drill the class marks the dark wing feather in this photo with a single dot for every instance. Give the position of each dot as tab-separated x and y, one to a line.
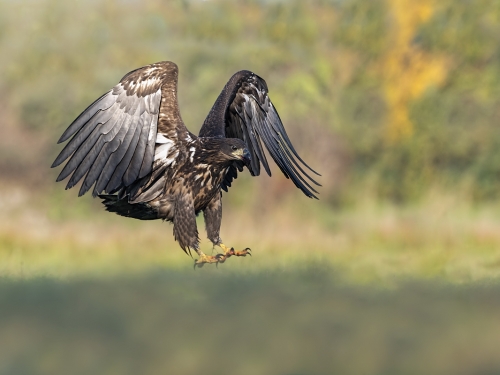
113	141
243	110
231	174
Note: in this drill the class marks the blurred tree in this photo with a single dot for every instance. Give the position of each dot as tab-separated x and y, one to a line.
406	70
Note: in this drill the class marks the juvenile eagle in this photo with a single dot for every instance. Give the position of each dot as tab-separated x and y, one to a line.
133	148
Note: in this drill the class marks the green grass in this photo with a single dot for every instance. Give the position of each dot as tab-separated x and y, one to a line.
441	237
293	322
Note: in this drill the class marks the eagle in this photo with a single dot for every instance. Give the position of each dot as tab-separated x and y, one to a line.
132	148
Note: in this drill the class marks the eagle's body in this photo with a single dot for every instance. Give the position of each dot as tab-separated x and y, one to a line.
134	149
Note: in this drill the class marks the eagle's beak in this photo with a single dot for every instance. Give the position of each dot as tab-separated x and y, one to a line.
246	158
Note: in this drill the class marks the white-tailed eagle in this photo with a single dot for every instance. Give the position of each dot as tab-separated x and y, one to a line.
132	148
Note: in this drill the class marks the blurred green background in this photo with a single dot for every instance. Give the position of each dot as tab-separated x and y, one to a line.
394	271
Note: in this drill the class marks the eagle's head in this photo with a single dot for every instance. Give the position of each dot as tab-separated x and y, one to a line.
236	149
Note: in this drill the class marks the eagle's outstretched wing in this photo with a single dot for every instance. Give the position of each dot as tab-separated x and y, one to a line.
243	110
119	137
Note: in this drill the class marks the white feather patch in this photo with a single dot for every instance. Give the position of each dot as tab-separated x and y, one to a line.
162	150
192	150
160	138
165	152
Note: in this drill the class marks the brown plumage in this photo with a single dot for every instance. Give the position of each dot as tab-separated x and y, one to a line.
133	148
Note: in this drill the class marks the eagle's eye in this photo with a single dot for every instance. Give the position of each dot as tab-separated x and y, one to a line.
234	148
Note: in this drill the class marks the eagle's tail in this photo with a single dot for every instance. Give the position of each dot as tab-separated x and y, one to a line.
121	206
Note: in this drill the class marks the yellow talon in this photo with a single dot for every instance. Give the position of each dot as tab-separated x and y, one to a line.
230	251
208	259
219	258
225	248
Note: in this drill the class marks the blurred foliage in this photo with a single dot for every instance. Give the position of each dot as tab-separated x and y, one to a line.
389	97
407	71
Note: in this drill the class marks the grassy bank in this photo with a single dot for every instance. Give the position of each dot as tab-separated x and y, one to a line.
441	237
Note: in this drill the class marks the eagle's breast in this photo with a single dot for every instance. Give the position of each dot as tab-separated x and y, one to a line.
206	180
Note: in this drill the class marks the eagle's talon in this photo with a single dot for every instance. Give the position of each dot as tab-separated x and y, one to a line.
242	253
203	259
228	252
221	258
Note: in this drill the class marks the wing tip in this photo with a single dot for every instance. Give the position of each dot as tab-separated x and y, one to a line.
59	160
62	138
83	189
313	171
310	195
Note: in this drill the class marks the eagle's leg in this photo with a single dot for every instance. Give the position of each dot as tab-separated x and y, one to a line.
186	232
213	218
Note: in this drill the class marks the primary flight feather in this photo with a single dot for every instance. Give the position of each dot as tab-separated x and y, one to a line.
133	150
